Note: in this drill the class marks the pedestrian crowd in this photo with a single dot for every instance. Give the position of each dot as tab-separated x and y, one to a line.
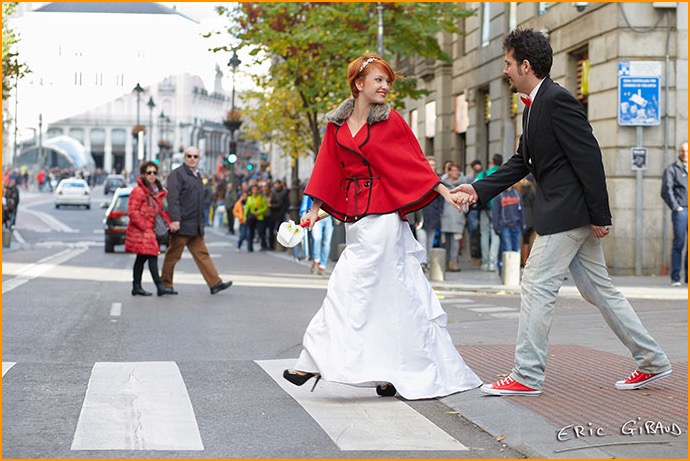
487	230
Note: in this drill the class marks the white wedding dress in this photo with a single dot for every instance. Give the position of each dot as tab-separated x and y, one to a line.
381	320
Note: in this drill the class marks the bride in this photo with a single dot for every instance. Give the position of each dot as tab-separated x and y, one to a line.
381	324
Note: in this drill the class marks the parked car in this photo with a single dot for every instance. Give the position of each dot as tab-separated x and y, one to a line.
112	182
116	219
73	191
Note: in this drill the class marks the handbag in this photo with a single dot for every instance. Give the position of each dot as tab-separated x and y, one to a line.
160	227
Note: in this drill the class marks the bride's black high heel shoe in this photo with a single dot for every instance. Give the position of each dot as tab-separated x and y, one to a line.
387	390
298	379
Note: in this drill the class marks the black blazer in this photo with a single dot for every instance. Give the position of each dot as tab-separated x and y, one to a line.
561	152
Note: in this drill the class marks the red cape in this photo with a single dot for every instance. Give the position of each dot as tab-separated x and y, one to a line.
381	170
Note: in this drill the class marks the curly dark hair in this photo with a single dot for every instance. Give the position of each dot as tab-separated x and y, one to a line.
533	46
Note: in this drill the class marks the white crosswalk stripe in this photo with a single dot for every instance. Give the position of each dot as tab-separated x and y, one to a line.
6	367
137	406
357	419
499	312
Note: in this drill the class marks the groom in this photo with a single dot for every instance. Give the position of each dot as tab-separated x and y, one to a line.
571	215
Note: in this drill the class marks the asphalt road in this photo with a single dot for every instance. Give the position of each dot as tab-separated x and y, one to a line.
91	372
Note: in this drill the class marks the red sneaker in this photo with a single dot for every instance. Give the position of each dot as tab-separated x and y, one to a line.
508	386
638	379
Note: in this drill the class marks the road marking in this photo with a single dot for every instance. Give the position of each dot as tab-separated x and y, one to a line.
485	310
457	301
6	367
506	315
115	309
357	419
137	406
52	222
31	271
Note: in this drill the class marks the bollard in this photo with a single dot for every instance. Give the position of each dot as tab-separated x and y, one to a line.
437	264
511	268
6	237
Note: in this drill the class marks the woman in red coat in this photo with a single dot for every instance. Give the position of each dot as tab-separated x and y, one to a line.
381	324
145	200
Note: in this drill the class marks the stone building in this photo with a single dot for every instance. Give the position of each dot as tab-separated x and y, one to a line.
471	113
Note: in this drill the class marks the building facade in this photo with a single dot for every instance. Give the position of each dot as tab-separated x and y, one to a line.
471	113
85	61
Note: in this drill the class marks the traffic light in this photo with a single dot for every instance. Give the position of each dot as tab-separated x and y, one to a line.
232	156
250	167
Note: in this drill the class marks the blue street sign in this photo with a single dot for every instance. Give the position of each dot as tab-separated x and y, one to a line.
638	97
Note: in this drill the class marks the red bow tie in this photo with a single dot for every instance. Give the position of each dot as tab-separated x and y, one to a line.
527	101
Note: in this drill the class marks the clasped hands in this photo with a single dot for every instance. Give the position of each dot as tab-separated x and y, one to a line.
463	196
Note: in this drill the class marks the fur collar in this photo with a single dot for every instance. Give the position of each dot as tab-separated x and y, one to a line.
377	112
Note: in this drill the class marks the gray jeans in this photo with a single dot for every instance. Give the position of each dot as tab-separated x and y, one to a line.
551	257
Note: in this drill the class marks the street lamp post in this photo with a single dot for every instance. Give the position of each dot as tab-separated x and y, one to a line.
234	62
163	143
233	125
135	158
379	40
151	105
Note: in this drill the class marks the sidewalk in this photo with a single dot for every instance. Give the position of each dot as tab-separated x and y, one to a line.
579	416
582	415
471	279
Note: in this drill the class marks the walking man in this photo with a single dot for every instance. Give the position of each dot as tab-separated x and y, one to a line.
571	215
187	222
674	191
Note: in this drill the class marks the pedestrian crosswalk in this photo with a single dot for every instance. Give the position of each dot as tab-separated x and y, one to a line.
471	304
146	406
136	406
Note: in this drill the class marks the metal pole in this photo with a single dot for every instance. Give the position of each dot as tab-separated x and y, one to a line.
40	137
638	208
664	229
379	41
16	128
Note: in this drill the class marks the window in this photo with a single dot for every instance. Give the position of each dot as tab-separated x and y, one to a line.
118	137
486	23
578	67
97	137
414	119
512	15
77	133
542	8
430	120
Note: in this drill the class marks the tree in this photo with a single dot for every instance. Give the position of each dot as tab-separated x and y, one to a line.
11	67
310	45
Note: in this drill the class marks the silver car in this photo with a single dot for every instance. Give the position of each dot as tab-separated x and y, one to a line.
73	191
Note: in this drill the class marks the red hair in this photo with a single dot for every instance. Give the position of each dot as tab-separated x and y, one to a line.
362	66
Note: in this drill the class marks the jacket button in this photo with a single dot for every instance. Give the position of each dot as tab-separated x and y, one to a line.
366	184
342	163
365	163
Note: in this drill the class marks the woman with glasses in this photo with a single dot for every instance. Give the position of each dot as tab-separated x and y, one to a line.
145	201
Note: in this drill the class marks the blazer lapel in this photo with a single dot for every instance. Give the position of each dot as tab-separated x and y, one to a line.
533	115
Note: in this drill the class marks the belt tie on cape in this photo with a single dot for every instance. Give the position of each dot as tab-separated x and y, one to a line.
347	183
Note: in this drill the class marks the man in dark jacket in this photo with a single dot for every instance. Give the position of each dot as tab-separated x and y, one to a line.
571	215
187	221
674	191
